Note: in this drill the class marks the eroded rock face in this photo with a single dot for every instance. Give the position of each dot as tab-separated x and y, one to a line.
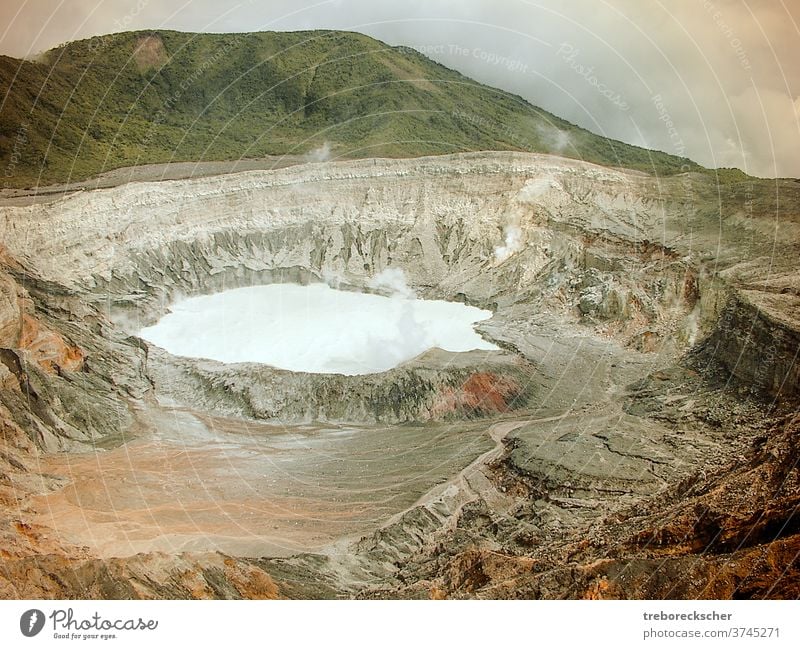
607	246
21	330
756	341
637	360
143	577
10	317
435	386
725	528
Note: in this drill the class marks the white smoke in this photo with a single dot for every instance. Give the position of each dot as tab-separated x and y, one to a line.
332	278
538	187
513	242
513	238
553	138
320	154
394	281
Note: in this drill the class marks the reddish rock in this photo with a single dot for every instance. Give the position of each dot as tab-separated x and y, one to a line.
48	348
483	393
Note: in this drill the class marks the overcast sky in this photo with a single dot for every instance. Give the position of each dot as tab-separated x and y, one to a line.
725	73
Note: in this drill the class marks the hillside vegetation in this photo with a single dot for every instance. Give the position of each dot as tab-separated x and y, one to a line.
148	97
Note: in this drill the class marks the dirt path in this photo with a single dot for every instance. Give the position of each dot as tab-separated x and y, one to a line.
470	484
361	562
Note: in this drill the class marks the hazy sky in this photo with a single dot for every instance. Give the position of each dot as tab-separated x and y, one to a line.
724	73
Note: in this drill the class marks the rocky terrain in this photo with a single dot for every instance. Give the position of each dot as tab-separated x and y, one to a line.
635	437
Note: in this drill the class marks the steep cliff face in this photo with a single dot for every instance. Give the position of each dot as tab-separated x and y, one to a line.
645	342
756	341
21	329
53	395
437	385
572	240
10	317
591	242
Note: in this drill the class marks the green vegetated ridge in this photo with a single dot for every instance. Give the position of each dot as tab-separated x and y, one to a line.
159	96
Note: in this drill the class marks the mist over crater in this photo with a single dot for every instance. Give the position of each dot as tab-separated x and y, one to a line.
315	328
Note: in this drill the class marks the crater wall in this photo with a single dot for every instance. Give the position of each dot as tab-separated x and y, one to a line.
601	281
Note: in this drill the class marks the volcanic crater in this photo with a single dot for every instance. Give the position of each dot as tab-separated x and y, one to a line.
643	362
